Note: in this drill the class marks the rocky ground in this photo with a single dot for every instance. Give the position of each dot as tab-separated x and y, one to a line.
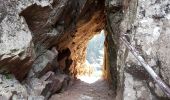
98	90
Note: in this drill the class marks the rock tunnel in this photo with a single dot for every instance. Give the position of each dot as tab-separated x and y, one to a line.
74	24
70	29
54	37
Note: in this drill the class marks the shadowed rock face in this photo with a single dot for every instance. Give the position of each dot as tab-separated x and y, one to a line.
65	24
30	29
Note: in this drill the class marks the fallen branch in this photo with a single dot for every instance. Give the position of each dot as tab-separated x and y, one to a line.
155	77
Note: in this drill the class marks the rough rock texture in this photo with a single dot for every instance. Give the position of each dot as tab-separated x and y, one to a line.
150	37
30	29
16	52
63	25
33	88
9	87
26	34
147	25
44	63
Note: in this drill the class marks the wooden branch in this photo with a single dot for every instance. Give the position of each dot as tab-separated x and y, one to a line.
155	77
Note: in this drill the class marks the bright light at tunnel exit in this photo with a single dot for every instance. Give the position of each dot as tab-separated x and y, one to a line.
94	59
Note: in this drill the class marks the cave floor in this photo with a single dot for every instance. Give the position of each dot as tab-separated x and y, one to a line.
84	91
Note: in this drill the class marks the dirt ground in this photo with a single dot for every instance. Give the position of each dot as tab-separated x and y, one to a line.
84	91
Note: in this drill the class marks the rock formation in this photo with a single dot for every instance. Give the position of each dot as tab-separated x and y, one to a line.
44	41
144	22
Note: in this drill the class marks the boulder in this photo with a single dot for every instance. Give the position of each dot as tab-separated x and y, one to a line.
58	84
44	63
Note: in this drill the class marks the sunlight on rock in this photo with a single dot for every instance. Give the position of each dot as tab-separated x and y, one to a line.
89	79
85	97
93	66
92	77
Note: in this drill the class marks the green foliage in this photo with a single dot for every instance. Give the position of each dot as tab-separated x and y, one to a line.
8	76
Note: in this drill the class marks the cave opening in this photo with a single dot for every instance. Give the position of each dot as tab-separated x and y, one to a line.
47	44
79	38
94	63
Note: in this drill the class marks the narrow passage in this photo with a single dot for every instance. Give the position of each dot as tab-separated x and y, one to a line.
84	91
90	84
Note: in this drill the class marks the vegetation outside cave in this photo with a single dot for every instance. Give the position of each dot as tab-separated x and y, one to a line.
94	59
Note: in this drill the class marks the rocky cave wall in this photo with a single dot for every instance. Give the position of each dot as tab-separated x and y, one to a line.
150	36
146	24
29	30
39	36
34	32
77	23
